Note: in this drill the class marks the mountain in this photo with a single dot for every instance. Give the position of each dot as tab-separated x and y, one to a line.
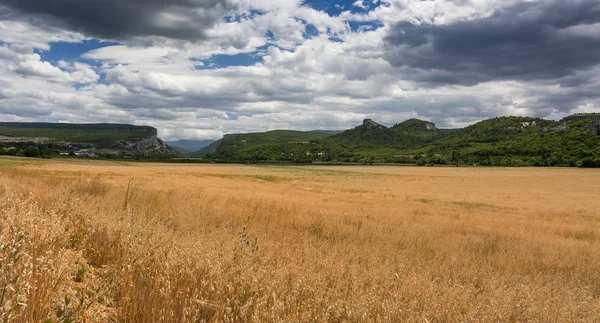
180	150
262	145
369	124
415	125
374	140
522	141
187	146
109	140
503	141
210	149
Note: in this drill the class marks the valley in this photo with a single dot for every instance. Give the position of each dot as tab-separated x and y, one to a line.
162	242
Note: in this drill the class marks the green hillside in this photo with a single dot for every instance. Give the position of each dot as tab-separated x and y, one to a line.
83	140
373	139
504	141
89	133
284	145
210	149
180	150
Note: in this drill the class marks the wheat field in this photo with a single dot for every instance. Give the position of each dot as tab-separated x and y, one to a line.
94	241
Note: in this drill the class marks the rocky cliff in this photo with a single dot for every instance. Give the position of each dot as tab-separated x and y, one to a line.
595	117
91	140
370	125
151	146
430	126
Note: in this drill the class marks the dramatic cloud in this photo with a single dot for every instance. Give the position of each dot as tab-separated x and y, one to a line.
525	41
125	19
203	68
21	60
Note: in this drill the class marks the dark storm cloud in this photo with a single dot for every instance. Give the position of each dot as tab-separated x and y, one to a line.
124	19
540	40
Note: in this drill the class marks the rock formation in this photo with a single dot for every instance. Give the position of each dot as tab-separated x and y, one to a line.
148	146
370	124
595	117
430	126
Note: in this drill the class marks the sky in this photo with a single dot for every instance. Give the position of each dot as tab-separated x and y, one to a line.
198	69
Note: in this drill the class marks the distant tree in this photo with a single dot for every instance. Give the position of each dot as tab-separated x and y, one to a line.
48	152
32	152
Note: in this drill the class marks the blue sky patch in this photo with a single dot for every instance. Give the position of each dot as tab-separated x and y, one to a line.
222	61
237	18
71	51
334	8
358	26
335	39
310	31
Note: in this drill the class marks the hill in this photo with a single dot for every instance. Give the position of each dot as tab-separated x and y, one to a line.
522	141
594	123
373	139
210	149
284	145
504	141
115	140
90	133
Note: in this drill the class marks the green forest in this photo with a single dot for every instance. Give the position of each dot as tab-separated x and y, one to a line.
503	141
88	133
48	140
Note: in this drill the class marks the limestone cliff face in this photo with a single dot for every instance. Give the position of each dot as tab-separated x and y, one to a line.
148	146
150	143
595	117
114	140
430	126
370	125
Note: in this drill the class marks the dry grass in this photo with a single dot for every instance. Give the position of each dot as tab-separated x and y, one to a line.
96	241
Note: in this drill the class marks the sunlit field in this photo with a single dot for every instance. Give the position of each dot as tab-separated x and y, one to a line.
99	241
